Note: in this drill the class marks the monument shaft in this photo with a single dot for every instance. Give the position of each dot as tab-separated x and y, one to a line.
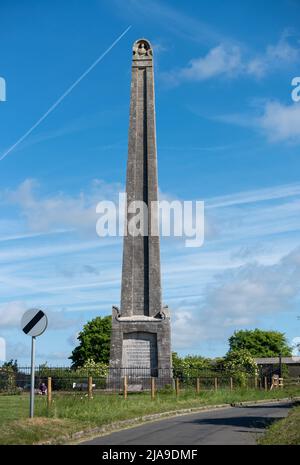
141	328
141	283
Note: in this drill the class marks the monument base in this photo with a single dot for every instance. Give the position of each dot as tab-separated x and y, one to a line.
140	349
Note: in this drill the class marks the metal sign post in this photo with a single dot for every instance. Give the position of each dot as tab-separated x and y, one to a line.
32	376
34	323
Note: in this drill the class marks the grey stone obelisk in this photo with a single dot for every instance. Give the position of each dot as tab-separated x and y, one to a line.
140	339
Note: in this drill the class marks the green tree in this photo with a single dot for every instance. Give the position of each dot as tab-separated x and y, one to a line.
94	342
8	373
190	365
260	343
176	361
240	364
11	365
94	368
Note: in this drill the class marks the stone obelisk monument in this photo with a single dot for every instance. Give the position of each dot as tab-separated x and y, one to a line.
141	327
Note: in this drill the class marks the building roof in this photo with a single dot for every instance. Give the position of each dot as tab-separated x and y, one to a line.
275	360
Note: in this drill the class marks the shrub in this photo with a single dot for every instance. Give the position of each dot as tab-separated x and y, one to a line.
240	365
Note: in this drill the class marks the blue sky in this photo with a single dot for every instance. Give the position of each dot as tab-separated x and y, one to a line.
228	133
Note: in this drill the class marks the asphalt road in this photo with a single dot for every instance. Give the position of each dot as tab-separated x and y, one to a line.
236	425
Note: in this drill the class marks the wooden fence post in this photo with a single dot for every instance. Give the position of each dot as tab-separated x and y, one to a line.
197	385
266	383
125	387
216	384
255	382
280	383
231	384
90	387
49	392
153	388
177	386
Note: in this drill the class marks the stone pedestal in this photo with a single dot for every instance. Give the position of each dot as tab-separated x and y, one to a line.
140	349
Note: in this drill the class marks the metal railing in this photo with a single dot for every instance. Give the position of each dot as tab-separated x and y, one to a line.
65	379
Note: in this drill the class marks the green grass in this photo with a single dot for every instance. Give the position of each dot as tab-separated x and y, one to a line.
71	413
284	432
12	408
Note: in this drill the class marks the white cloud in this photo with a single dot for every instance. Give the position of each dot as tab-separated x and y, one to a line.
275	56
219	61
189	27
253	196
244	295
58	268
28	253
211	314
54	355
159	48
281	122
16	237
239	298
232	61
60	211
224	60
278	122
11	314
73	339
16	350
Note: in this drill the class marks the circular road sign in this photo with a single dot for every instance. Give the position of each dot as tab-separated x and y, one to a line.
34	322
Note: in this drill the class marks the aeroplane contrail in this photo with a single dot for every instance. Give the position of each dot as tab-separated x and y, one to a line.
63	96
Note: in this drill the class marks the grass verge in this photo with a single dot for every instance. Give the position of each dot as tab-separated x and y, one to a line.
72	413
284	432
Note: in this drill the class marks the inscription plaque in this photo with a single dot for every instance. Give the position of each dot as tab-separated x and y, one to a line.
140	351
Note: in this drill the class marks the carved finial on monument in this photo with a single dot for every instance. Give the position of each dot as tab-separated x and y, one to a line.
142	49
